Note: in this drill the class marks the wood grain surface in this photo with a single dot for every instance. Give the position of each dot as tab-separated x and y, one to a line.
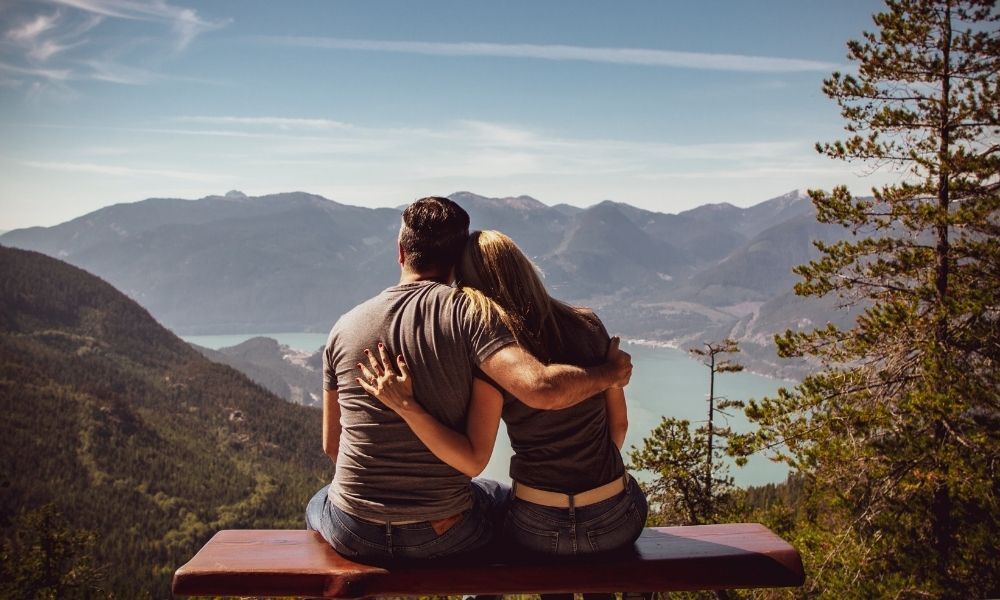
301	563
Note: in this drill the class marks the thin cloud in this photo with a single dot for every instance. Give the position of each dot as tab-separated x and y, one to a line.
50	74
499	134
95	70
185	22
623	56
764	172
284	123
488	134
470	135
37	37
112	72
46	49
29	31
121	171
53	47
224	133
47	35
479	149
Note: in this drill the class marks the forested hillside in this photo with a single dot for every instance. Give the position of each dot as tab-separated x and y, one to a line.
117	432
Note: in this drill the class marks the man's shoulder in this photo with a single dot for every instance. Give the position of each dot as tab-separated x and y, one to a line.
353	315
393	299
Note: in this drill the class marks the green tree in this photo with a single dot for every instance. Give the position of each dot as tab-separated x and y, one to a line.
45	558
692	484
716	405
896	433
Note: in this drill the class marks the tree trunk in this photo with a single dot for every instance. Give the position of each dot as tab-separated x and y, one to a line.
941	508
708	459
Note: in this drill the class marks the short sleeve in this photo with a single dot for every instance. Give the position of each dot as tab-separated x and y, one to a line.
480	374
596	335
329	369
484	336
602	333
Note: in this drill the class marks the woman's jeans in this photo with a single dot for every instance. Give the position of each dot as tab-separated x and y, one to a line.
607	525
380	543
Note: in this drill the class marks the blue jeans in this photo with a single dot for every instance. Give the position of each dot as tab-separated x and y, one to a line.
381	543
604	526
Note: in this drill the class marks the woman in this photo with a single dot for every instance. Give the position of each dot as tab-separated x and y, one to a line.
571	492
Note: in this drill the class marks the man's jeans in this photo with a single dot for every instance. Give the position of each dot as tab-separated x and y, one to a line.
379	543
608	525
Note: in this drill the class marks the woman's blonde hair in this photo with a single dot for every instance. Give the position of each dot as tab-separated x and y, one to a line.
500	280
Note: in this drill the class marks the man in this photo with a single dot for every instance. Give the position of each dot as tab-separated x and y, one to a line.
391	499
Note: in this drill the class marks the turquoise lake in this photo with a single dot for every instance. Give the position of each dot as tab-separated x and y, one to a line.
665	381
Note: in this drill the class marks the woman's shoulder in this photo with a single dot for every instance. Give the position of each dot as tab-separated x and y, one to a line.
590	319
585	333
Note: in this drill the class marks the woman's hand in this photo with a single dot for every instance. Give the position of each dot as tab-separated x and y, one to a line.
468	452
382	382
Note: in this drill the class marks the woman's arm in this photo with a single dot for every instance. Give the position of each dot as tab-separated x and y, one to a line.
614	399
469	452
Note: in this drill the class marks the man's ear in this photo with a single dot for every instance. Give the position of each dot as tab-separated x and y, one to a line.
401	254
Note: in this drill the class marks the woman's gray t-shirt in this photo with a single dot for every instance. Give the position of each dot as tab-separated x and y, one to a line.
384	472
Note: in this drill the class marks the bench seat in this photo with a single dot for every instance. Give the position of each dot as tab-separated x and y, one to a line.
301	563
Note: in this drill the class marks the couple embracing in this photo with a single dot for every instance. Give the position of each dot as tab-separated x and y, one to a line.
416	381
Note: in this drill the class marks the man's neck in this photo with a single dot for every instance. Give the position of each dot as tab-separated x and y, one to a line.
408	275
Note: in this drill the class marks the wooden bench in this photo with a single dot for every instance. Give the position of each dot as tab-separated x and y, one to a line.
300	563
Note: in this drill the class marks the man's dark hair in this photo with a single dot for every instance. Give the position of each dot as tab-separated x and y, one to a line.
434	233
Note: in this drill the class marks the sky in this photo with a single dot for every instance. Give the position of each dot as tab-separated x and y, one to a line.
665	105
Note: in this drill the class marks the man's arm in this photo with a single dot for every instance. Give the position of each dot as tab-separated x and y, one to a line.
331	424
550	387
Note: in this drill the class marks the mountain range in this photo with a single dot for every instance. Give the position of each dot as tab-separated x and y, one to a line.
285	372
297	261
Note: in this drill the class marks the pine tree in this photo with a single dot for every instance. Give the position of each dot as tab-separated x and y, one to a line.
46	558
692	484
897	432
716	405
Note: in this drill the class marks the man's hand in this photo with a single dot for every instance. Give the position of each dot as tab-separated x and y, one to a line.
620	363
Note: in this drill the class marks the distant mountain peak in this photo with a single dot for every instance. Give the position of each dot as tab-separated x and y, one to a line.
719	206
793	196
522	202
235	195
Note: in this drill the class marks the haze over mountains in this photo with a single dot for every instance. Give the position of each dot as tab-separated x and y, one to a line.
296	261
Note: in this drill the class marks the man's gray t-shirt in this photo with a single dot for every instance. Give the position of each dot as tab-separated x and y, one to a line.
384	472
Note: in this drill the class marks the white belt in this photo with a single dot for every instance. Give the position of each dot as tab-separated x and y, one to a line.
558	500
